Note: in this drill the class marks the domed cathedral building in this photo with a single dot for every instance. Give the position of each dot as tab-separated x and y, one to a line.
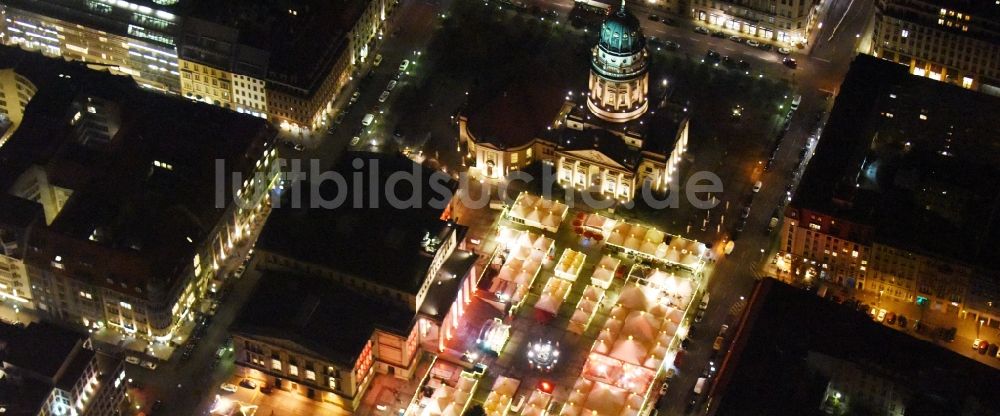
619	78
610	140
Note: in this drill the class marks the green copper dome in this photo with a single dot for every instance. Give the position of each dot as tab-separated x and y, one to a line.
621	33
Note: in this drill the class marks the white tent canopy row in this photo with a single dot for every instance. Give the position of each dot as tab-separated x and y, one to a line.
553	295
448	400
537	403
676	289
590	398
537	212
604	273
586	309
570	264
599	223
500	397
657	245
527	252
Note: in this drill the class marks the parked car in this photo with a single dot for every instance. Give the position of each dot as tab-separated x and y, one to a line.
669	44
404	65
149	365
378	60
901	321
391	85
663	388
699	316
248	383
699	385
383	97
723	330
654	18
679	358
719	34
265	389
704	301
994	348
784	51
132	360
702	30
790	62
745	212
751	42
983	347
757	185
881	315
228	387
890	318
736	39
717	345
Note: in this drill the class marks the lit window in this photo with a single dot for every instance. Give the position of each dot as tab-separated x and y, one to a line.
923	117
854	253
293	370
275	364
940	21
125	305
905	33
333	383
91	109
310	375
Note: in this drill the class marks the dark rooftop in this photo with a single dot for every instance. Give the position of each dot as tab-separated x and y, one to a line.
140	216
516	115
43	350
116	19
303	37
447	283
320	316
908	156
377	242
603	141
768	371
23	397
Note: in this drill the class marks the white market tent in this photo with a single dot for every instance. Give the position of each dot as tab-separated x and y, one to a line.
553	295
604	273
537	403
586	309
569	265
527	252
657	245
447	400
500	397
537	212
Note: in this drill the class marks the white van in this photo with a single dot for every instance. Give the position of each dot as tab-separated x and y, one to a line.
699	385
378	60
367	121
795	102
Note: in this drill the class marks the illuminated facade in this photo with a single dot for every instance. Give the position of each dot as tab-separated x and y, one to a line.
83	268
864	232
619	79
16	91
787	21
958	43
605	140
119	36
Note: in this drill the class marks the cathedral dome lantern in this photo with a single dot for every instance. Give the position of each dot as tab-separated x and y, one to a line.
618	72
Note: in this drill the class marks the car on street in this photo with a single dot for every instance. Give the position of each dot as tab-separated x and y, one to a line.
736	39
704	302
901	321
405	64
663	388
132	360
368	119
552	14
149	365
703	31
699	316
881	315
299	147
265	389
740	226
355	140
757	185
654	18
717	345
378	60
983	346
723	330
339	118
890	319
784	51
994	348
669	44
248	383
712	57
751	42
391	85
699	385
719	34
745	213
383	97
790	62
679	358
228	387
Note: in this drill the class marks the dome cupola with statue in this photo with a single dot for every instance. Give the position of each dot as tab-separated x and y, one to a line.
619	80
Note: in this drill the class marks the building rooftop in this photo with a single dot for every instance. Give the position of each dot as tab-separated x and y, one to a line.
45	350
907	156
783	331
303	37
110	16
516	115
144	197
23	397
603	141
376	242
319	316
447	283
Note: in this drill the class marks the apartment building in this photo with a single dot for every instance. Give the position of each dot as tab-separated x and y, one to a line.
355	289
134	225
136	38
893	202
951	41
786	21
282	61
51	371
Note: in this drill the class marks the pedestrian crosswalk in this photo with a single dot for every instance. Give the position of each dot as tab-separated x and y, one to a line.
737	308
757	272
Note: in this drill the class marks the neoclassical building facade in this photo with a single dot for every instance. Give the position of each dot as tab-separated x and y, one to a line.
606	141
